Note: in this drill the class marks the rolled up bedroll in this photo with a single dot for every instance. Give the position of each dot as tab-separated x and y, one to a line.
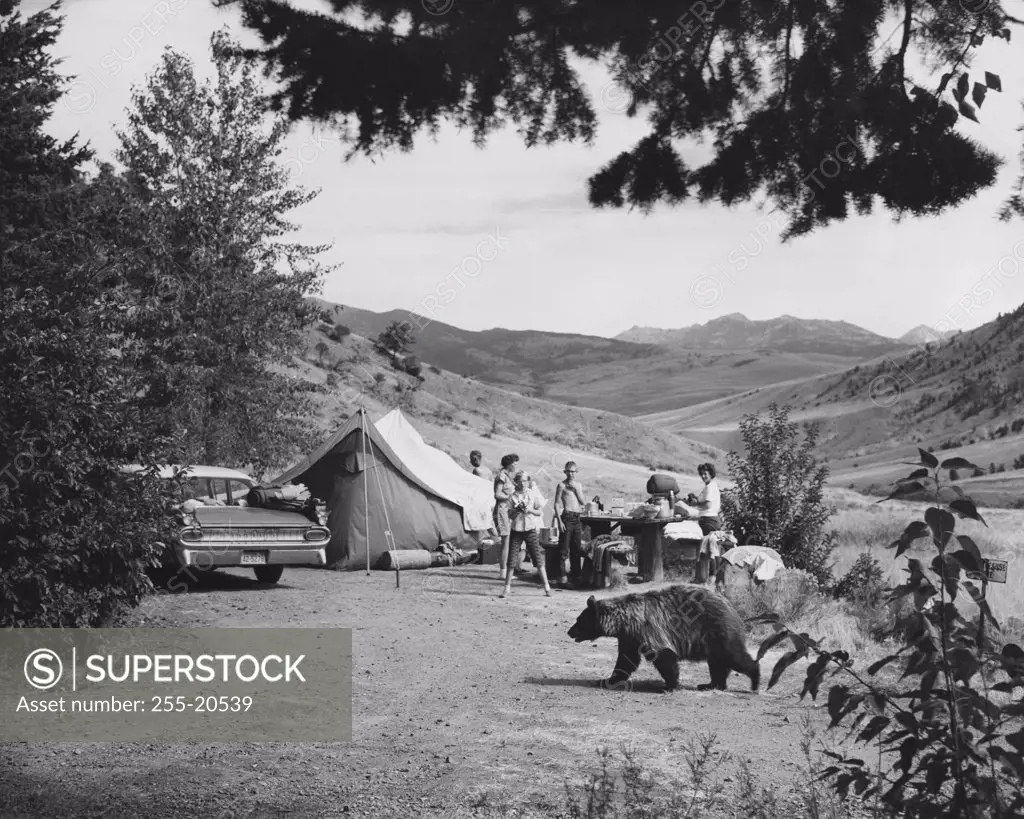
411	559
422	559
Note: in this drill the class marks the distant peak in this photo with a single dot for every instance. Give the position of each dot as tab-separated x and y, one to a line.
736	317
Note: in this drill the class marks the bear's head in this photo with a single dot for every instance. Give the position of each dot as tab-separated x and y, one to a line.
588	624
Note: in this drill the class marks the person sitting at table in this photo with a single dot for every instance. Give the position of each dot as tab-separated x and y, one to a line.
526	507
709	501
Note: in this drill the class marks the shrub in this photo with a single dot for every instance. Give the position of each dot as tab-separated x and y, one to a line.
947	736
397	337
435	370
778	499
411	365
792	594
338	332
332	380
864	583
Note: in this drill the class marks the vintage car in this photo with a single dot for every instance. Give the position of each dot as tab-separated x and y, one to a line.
219	529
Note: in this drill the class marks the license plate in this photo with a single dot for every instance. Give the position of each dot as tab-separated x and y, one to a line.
254	558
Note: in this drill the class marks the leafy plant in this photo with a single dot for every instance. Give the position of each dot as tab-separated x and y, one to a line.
948	736
778	495
397	338
864	582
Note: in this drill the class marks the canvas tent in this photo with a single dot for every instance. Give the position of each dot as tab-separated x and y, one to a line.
383	477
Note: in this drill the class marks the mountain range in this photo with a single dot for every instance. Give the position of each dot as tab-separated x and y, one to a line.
784	334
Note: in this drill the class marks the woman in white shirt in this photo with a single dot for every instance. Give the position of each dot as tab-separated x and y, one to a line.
709	501
526	509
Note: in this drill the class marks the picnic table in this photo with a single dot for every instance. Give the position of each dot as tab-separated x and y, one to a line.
650	536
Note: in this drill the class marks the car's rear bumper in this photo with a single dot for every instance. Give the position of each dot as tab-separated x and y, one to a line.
216	556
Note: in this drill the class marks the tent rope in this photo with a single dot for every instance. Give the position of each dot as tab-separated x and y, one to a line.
388	534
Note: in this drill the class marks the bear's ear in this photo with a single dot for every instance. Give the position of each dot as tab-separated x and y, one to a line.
592	603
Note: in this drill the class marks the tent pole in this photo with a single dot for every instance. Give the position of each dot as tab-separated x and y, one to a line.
366	490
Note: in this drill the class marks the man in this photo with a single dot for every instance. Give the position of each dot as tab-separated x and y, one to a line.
476	459
568	506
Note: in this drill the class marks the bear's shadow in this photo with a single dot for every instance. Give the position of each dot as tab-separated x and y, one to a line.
645	686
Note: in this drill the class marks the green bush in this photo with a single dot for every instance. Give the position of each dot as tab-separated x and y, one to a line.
778	495
412	366
338	332
864	583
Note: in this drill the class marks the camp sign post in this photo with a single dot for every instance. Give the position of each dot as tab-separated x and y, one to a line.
994	571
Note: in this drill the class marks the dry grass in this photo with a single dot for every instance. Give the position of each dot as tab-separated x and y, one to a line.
867	526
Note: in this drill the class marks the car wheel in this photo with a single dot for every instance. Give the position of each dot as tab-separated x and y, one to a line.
268	574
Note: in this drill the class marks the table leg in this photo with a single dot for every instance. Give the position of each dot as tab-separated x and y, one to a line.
657	568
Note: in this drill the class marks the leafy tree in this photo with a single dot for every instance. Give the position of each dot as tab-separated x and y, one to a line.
777	499
76	533
813	106
222	292
397	337
948	735
321	350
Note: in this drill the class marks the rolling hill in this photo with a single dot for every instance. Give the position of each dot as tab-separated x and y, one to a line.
447	406
647	375
520	359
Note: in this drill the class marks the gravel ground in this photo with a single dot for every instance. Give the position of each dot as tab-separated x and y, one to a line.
463	705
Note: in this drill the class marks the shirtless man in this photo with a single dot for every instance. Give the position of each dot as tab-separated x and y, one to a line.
568	506
481	471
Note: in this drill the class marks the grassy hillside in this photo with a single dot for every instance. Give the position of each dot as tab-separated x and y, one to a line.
621	376
461	414
520	359
684	378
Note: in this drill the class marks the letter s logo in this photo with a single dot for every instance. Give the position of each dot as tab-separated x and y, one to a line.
39	669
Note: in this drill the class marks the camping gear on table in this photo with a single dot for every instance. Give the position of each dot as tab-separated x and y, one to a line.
645	511
387	489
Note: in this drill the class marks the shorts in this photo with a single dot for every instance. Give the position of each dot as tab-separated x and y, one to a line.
501	520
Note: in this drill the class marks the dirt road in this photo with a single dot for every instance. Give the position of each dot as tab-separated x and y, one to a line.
464	704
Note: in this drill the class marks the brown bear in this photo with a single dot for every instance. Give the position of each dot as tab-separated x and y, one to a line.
683	622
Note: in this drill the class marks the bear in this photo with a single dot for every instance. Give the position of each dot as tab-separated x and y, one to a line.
683	622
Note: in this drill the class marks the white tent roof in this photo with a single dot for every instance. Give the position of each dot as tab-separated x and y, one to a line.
438	471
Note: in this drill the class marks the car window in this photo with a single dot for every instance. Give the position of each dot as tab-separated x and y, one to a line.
219	488
239	489
196	488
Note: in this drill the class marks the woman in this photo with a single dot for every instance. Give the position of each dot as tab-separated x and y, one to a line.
709	502
503	489
526	508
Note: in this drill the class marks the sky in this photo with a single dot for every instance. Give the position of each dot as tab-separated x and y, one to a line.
503	236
